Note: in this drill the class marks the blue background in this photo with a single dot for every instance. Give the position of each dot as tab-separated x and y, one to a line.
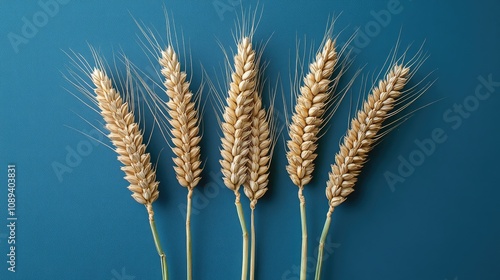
440	221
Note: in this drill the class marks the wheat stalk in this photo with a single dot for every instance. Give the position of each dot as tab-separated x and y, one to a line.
127	138
306	122
181	130
359	140
185	133
259	160
236	130
258	166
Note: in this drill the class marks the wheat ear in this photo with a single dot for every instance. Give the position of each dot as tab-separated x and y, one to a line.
362	135
259	159
236	118
308	116
185	133
259	156
184	121
304	128
236	131
127	138
359	140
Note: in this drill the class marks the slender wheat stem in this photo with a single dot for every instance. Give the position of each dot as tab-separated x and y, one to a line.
244	232
259	160
127	138
159	249
303	252
189	263
304	129
236	131
324	234
185	134
359	140
252	246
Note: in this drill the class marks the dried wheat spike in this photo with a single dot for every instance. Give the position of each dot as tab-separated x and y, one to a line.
308	116
362	135
236	118
259	156
184	120
127	138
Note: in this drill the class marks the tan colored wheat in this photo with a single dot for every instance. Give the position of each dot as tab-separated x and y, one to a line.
184	121
308	116
362	135
126	136
236	118
259	156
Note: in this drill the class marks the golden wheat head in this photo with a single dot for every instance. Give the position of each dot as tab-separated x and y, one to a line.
259	157
308	115
127	138
183	120
237	117
362	135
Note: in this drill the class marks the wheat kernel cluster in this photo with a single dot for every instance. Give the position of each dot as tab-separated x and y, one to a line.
362	135
183	121
237	117
127	138
248	133
259	152
308	115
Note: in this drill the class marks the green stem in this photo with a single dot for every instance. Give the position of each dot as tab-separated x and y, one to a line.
163	257
244	263
303	258
189	264
322	240
252	248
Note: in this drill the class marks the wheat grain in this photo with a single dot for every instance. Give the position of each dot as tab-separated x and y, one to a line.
308	116
236	118
362	135
184	120
127	138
